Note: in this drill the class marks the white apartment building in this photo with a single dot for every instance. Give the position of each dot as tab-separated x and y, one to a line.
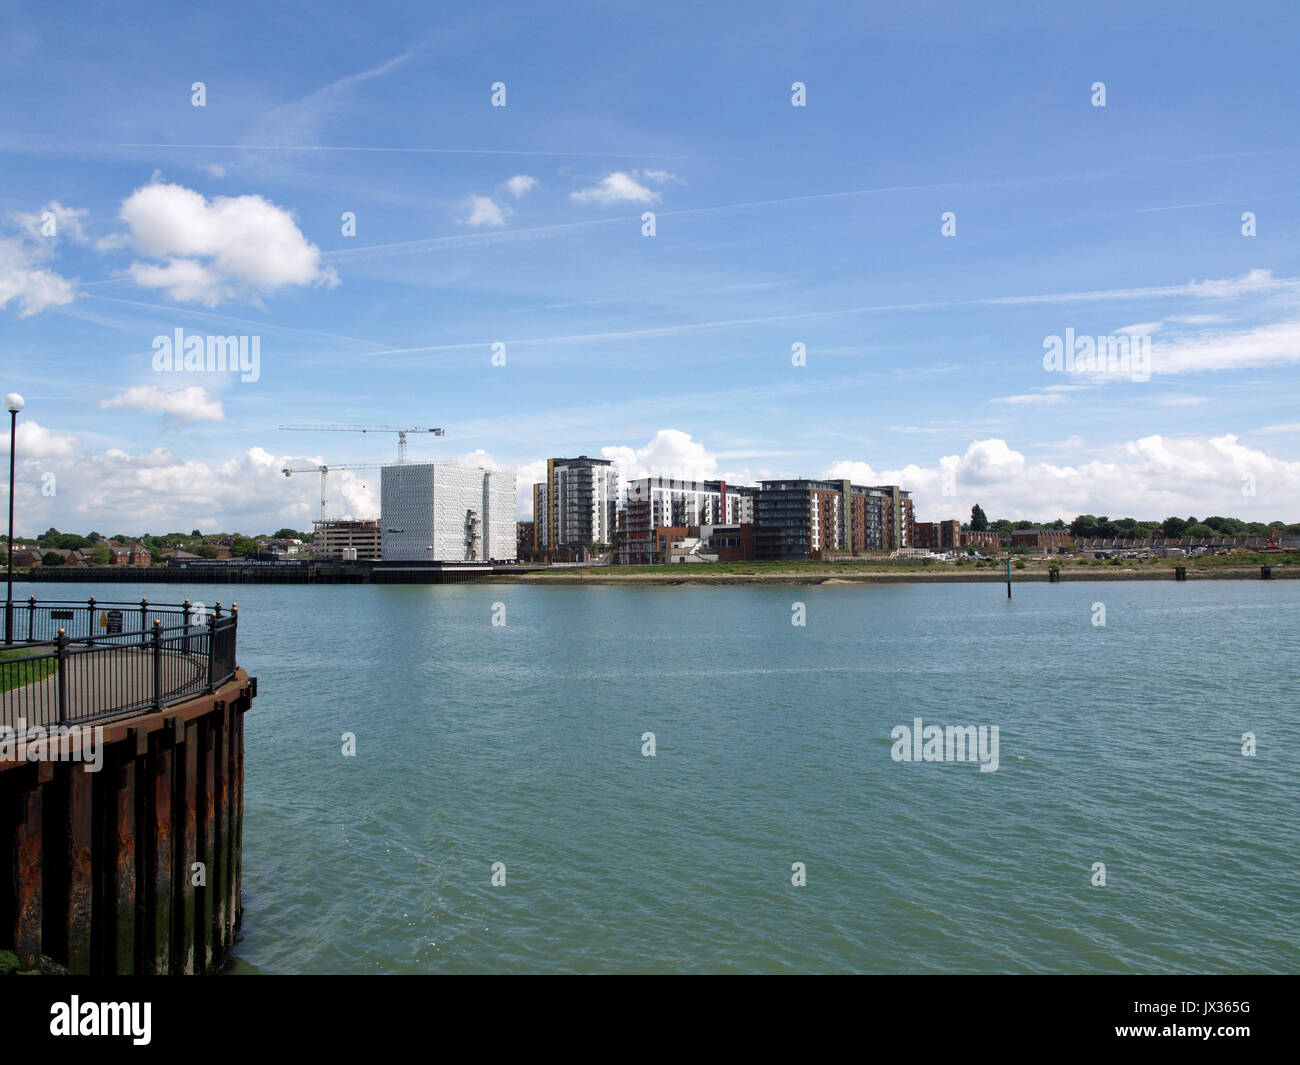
677	502
443	512
577	504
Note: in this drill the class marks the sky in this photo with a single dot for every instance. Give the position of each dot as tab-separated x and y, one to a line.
869	223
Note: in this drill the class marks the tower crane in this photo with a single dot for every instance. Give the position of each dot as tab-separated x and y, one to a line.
324	472
400	430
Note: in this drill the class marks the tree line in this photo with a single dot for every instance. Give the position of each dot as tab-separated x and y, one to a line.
1092	526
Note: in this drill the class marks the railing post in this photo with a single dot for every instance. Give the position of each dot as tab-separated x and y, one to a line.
144	618
31	619
185	621
217	605
90	631
212	646
157	664
62	682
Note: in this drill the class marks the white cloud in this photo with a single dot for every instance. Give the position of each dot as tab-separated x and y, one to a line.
1032	398
1152	477
520	184
68	223
216	250
24	280
1182	401
671	453
659	176
37	443
1267	345
618	187
484	211
1252	282
156	491
189	404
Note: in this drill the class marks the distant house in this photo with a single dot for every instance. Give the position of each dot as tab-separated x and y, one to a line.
119	555
139	555
28	555
57	552
183	556
1046	539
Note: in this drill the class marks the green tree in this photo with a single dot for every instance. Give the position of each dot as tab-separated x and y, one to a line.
1085	525
243	547
979	521
99	554
51	559
205	550
1173	527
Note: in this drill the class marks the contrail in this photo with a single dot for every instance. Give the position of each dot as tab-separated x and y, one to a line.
408	247
1212	203
414	151
988	301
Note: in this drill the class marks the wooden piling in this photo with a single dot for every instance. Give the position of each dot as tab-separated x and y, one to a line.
207	849
221	868
27	874
124	878
161	858
187	832
78	905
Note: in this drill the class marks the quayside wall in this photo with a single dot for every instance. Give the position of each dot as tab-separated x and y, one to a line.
133	868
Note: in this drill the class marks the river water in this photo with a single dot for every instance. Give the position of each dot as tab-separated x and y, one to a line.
523	743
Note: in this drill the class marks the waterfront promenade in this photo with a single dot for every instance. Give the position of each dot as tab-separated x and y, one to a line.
124	844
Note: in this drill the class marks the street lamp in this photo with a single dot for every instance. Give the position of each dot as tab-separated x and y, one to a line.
13	404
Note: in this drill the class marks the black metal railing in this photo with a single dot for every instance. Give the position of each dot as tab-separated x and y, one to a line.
178	651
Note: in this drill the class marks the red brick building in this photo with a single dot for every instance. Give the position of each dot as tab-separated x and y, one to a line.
1040	539
799	519
982	541
938	535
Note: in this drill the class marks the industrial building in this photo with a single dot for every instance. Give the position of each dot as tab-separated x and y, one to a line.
576	507
352	541
443	512
801	518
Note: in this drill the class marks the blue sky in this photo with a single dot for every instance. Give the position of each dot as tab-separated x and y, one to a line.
775	225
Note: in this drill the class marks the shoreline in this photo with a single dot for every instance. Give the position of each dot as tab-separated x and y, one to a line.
842	577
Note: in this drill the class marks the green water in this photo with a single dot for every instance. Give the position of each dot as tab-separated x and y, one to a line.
522	744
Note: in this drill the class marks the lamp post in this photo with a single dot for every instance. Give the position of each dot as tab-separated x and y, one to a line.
13	404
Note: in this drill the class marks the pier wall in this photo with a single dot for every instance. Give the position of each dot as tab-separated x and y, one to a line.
134	868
